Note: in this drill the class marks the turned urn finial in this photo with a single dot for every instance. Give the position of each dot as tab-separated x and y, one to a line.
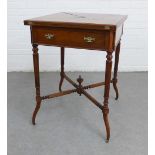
80	80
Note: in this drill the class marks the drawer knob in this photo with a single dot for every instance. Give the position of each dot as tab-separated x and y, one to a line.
89	39
49	36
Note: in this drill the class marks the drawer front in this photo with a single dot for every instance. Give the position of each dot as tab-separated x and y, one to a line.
73	38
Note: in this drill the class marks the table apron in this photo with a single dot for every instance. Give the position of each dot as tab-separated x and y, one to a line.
73	38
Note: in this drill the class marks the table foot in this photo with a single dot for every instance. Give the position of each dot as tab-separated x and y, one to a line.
107	141
115	88
60	83
35	112
106	121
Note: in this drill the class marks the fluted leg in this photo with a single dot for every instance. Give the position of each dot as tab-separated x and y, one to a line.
37	81
114	80
106	93
62	68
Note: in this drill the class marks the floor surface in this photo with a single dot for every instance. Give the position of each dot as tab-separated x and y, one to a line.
72	125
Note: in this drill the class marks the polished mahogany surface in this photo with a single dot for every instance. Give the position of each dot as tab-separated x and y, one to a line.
79	20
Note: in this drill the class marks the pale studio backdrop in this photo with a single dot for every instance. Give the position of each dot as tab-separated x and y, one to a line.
134	41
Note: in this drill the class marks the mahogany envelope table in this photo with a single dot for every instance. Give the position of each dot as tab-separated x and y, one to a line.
84	31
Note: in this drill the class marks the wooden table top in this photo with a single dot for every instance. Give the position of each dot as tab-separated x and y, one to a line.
78	20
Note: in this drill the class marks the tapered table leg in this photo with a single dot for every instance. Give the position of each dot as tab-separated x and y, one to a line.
106	93
114	80
37	81
62	68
